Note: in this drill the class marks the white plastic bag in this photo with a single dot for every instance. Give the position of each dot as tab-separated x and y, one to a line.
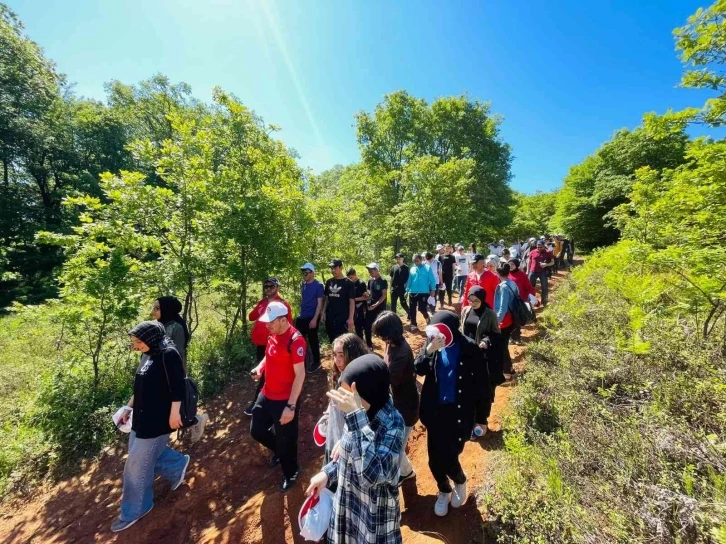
533	300
314	516
124	427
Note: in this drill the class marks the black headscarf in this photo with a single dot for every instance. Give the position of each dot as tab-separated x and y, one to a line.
448	318
170	309
372	380
151	333
479	292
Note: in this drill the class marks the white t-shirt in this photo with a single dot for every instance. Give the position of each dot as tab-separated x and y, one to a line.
435	266
514	251
462	262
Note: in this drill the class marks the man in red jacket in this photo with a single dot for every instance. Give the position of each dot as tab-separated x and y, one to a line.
525	292
260	333
485	279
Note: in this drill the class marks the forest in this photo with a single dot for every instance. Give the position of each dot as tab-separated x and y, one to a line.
617	431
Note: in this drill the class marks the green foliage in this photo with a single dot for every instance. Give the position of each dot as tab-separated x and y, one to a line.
532	214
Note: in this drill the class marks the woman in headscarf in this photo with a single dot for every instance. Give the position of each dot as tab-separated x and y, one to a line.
366	464
453	378
158	391
479	322
167	310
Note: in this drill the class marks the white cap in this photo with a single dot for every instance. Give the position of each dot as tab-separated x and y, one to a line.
439	247
372	266
308	266
274	310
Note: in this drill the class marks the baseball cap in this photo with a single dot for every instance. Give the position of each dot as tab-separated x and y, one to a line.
478	257
351	272
399	255
335	262
274	281
540	242
308	266
274	310
439	247
457	246
501	241
372	266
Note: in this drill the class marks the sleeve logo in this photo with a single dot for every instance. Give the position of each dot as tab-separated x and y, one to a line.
300	352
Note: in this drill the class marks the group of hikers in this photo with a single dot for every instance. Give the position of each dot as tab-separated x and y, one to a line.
374	398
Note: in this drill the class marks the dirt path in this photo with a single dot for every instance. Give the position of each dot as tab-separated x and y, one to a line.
231	496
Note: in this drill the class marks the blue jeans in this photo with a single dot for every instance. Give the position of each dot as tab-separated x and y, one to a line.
148	457
533	276
460	283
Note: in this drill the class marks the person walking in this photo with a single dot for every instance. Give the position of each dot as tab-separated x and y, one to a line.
360	296
433	261
447	262
448	400
482	277
377	297
366	464
539	261
526	292
420	286
260	333
277	406
462	269
311	308
167	310
399	277
158	392
504	297
480	323
339	304
399	358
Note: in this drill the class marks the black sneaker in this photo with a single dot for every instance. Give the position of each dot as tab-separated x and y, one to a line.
287	483
274	461
248	410
408	476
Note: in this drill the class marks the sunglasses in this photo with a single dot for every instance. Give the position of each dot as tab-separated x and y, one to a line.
306	272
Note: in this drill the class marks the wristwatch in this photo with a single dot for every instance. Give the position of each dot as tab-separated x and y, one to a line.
291	406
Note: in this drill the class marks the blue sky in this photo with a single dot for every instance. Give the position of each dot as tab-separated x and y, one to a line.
564	74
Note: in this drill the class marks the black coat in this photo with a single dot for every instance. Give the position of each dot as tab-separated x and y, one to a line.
468	378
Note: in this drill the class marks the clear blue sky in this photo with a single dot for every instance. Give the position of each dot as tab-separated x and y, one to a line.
564	74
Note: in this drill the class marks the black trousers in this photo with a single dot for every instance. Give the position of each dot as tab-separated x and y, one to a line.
335	327
359	320
417	301
444	448
448	285
283	442
258	357
302	324
506	358
396	295
484	406
371	316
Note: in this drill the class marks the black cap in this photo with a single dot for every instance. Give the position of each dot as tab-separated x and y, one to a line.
478	257
351	272
540	242
274	281
335	262
399	255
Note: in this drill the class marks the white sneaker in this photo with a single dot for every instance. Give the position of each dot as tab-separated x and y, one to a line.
441	508
458	497
198	428
180	481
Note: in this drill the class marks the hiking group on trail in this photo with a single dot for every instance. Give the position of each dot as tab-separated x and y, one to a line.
374	399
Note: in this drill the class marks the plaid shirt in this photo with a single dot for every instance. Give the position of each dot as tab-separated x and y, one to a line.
365	508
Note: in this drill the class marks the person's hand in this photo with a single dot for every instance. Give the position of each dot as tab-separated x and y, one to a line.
349	323
337	449
313	323
175	421
436	343
287	416
255	373
322	318
125	416
483	344
317	484
432	293
346	401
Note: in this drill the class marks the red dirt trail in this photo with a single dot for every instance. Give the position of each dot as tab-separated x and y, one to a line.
230	496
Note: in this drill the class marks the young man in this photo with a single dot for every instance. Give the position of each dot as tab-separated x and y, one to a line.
339	304
447	262
377	296
420	286
462	269
540	260
399	277
360	295
277	404
435	266
311	309
483	277
260	334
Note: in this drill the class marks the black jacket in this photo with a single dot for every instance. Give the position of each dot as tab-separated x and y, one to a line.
403	382
399	277
468	378
154	393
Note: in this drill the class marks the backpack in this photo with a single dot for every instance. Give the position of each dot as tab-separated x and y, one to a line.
188	409
521	315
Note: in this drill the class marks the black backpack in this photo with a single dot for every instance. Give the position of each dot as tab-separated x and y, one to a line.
188	409
521	315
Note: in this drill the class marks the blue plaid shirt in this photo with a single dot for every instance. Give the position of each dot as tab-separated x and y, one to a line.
365	508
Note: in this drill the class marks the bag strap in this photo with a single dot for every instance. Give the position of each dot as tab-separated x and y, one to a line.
163	363
295	336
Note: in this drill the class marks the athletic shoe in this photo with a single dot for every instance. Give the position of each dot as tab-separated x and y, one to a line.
274	461
408	476
441	508
198	428
248	410
458	497
287	483
482	432
181	478
118	525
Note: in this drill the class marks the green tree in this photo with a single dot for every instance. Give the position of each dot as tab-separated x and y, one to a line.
532	214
